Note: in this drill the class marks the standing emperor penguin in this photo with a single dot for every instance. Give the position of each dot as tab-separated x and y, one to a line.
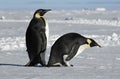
36	38
67	47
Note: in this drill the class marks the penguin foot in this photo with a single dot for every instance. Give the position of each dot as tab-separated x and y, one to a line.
59	66
71	65
28	64
53	65
31	63
36	65
68	65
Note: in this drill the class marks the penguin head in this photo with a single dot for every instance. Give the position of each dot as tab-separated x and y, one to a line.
40	12
92	43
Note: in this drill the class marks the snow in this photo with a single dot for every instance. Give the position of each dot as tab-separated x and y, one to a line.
10	43
100	9
18	43
93	63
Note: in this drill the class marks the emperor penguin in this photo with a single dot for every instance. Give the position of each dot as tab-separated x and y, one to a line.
36	38
68	46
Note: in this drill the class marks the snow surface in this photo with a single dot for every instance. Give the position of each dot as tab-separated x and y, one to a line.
94	63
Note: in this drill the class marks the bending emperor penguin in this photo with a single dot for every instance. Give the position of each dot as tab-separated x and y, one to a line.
36	38
67	47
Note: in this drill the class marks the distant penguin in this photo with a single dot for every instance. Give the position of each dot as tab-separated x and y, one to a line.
68	46
36	38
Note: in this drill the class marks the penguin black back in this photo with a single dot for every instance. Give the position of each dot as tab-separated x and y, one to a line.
36	39
68	46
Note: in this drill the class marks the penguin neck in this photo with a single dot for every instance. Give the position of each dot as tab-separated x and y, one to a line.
82	48
42	17
46	27
39	17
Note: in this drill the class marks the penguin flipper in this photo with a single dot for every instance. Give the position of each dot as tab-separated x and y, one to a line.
42	59
44	42
43	49
73	52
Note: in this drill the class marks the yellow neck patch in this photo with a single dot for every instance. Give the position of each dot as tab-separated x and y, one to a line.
37	15
89	41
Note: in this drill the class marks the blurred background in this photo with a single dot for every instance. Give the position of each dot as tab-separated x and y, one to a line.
59	4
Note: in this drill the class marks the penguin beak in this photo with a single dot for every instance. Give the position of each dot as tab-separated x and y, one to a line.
99	46
46	10
96	44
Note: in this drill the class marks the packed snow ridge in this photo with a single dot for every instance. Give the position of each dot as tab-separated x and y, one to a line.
18	43
75	21
88	21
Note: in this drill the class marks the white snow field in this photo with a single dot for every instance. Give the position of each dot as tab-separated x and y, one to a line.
93	63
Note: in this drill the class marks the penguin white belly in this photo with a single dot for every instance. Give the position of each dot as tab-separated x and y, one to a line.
81	49
47	30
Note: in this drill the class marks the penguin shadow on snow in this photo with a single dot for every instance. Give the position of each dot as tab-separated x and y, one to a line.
6	64
17	65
